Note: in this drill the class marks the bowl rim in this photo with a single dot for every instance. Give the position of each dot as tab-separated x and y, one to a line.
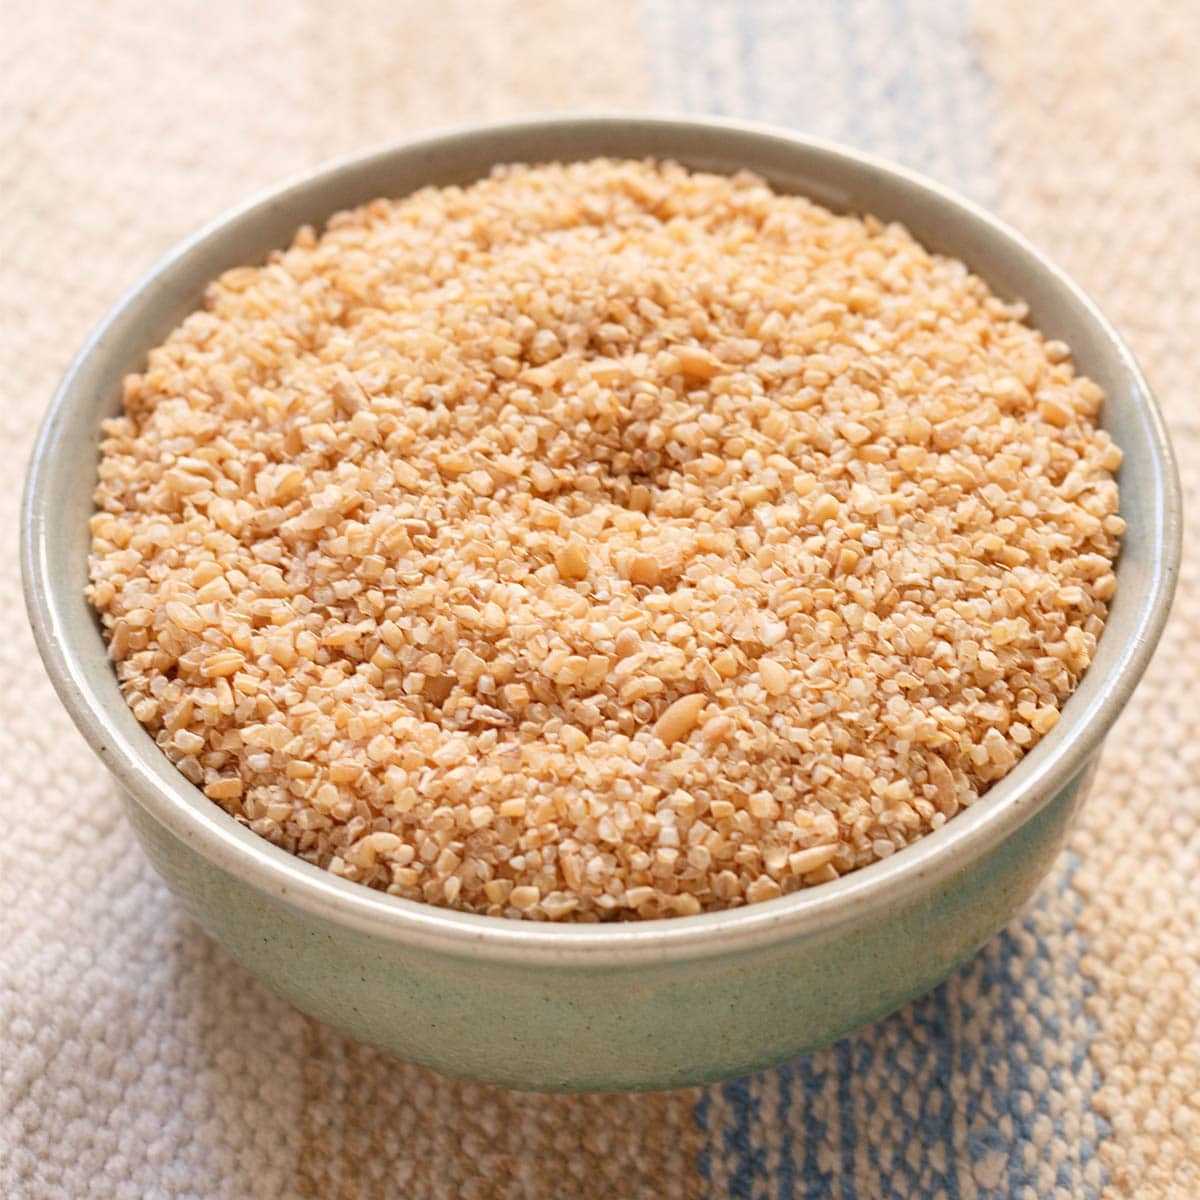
932	861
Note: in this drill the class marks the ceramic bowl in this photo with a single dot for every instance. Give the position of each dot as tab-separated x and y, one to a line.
652	1004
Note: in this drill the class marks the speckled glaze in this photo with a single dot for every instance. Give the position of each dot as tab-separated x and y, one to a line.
643	1005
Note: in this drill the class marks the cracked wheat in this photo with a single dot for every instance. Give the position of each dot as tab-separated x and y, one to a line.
602	541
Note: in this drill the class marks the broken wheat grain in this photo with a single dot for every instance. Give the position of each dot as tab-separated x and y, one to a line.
602	541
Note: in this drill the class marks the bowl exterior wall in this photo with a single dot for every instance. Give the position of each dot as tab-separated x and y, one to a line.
612	1028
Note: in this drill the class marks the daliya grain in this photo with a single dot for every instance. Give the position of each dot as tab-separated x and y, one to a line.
602	541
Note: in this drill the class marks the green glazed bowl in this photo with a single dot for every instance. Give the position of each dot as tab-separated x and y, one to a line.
652	1004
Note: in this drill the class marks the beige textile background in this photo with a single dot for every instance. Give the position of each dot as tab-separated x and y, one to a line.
1099	129
135	1058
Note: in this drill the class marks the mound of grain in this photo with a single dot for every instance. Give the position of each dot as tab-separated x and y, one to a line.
602	541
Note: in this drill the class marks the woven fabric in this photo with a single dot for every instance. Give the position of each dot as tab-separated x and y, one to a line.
137	1060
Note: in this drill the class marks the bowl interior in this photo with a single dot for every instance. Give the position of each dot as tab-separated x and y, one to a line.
58	499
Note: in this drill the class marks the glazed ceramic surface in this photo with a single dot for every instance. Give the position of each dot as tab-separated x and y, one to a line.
639	1005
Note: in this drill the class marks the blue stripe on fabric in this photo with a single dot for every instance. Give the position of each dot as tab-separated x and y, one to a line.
865	1067
945	1070
746	57
905	90
749	1161
1012	982
787	1160
711	101
1088	1147
818	1184
700	1116
897	1078
844	1052
801	1085
1088	1150
843	15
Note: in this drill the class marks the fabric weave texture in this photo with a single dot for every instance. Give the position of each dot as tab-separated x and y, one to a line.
137	1060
